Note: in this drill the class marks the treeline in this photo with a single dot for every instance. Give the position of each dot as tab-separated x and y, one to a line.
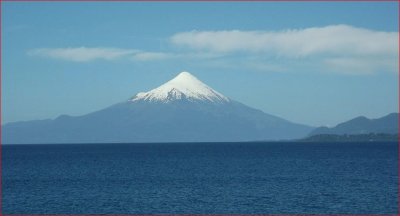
371	137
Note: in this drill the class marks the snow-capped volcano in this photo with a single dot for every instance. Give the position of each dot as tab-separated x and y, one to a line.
182	110
185	86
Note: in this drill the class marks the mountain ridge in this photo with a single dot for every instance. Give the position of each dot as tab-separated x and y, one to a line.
362	125
182	110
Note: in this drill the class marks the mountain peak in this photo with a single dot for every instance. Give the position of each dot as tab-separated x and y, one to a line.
183	86
187	80
184	75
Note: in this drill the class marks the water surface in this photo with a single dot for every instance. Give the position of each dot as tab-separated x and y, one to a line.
201	178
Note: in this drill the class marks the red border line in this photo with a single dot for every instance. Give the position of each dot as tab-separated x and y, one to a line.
200	214
398	84
398	104
200	0
1	113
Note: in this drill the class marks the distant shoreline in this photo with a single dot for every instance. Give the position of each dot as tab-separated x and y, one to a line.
371	137
321	138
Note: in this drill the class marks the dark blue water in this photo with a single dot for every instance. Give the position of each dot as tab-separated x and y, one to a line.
223	178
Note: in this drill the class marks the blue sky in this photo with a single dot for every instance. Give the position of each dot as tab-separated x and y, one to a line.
315	63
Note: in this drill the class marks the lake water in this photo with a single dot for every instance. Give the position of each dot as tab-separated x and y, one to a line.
201	178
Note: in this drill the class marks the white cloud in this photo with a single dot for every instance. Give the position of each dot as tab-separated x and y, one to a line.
329	40
334	48
152	56
86	54
82	54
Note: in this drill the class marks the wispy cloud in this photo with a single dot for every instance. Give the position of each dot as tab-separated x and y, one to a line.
334	40
341	48
338	48
153	56
82	54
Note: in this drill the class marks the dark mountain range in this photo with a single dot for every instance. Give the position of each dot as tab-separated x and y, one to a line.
362	125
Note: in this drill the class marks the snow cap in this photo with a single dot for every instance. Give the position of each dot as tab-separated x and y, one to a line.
183	86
